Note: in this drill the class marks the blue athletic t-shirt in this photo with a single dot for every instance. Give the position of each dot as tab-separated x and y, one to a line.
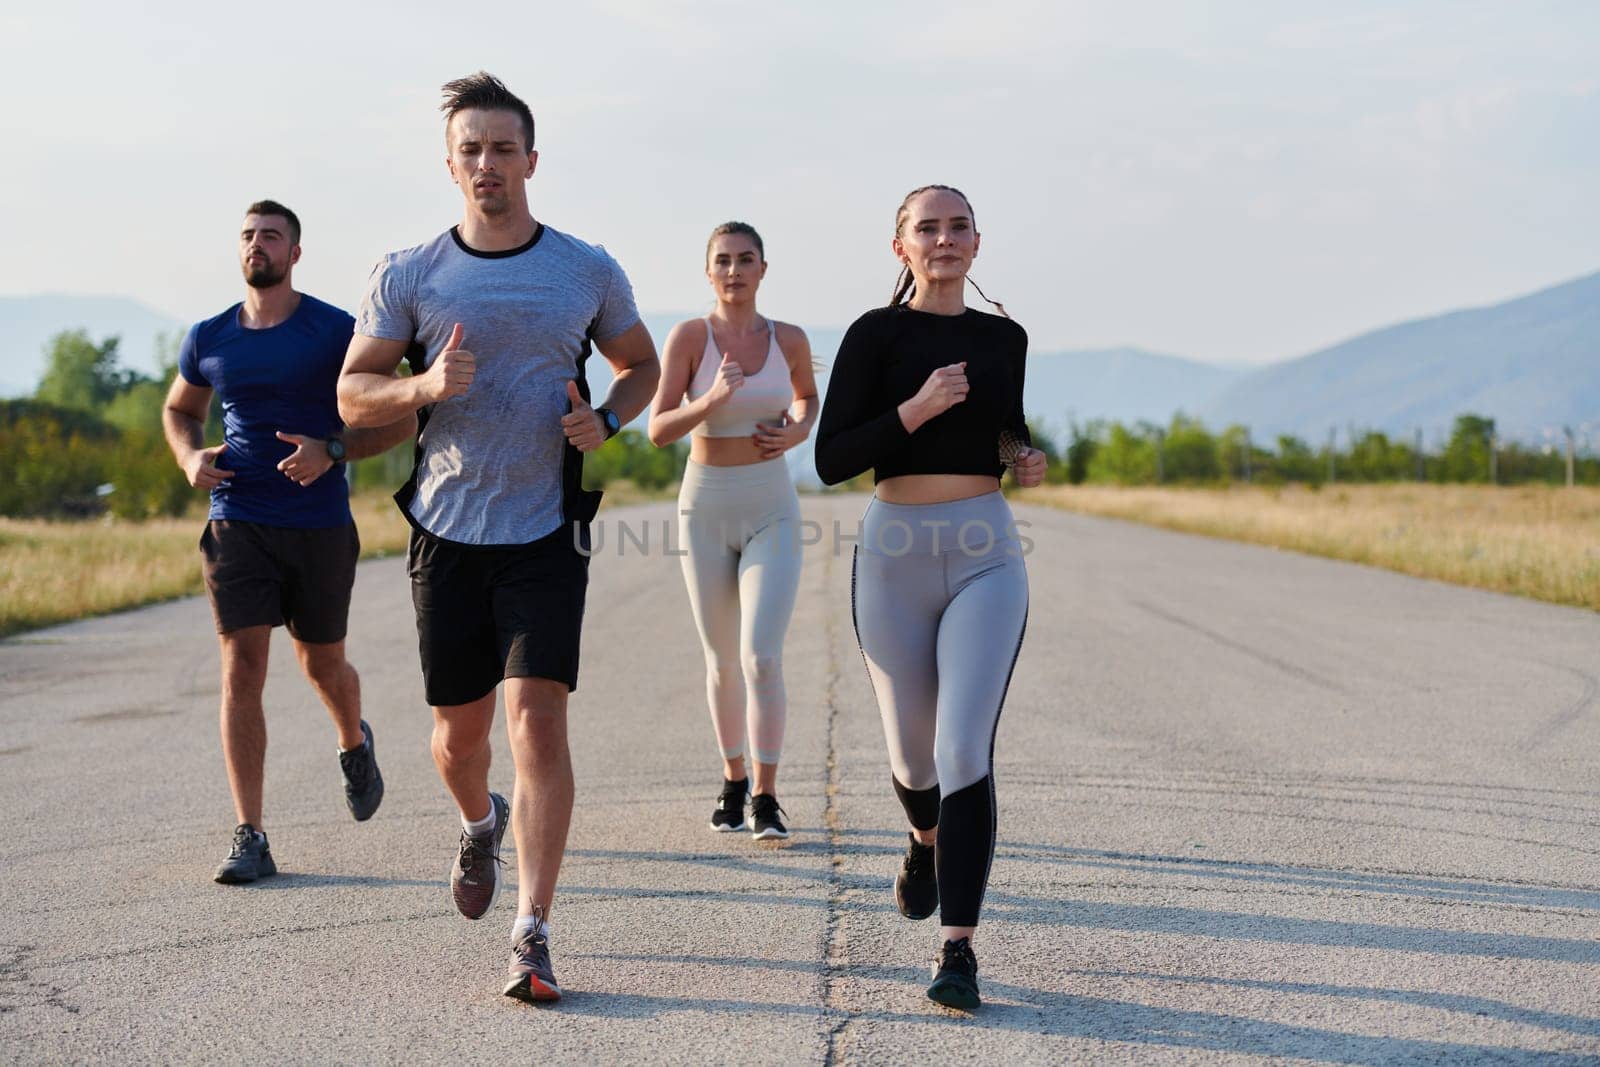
280	378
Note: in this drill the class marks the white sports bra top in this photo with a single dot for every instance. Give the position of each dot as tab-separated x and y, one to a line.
764	396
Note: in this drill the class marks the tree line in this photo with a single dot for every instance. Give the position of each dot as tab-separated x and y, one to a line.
1185	452
89	441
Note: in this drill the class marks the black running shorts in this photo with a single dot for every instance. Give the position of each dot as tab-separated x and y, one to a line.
485	613
277	575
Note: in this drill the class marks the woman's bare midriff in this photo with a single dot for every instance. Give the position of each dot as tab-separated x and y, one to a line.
934	488
723	451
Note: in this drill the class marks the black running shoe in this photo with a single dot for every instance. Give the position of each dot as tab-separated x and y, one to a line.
475	875
764	822
532	977
955	976
729	814
916	890
363	782
249	858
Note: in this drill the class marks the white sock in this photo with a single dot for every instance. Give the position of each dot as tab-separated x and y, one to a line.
482	826
525	923
359	744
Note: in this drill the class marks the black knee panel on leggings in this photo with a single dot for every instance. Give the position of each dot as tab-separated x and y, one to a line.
922	805
966	846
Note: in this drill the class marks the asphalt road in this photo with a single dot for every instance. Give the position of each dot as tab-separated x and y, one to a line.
1253	806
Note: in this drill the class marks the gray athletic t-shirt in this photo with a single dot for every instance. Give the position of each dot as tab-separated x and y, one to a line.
491	471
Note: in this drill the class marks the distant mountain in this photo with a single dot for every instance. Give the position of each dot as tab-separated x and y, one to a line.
1121	384
1532	364
28	322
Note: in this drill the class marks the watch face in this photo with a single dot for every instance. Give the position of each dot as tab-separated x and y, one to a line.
612	423
336	450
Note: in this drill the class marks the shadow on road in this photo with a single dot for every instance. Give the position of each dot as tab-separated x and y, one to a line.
1061	910
1069	1015
293	880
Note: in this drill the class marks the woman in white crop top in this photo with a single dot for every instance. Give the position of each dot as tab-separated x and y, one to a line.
742	386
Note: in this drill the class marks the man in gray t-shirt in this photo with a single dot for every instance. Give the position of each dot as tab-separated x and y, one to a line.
504	310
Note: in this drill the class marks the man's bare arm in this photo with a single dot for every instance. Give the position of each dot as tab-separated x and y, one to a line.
369	393
363	441
183	420
371	396
632	355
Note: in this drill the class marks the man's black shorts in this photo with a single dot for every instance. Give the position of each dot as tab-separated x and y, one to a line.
485	613
275	575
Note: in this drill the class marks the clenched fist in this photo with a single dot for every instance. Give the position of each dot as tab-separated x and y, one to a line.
1029	467
945	388
729	379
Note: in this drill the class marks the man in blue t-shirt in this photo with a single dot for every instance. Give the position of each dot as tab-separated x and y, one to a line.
279	548
506	310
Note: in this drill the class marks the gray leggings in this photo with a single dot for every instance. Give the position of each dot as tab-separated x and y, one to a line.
940	596
740	531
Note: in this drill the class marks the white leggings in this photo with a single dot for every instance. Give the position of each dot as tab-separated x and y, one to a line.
739	528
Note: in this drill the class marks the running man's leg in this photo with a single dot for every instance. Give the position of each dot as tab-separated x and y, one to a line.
461	664
461	753
541	806
320	570
337	685
539	595
243	720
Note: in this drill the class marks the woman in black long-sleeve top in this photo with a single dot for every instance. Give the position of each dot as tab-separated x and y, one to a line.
928	394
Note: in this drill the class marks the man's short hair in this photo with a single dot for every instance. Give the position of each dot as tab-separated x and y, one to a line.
272	207
486	92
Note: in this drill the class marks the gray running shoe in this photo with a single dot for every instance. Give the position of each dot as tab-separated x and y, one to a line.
475	875
532	977
249	858
363	782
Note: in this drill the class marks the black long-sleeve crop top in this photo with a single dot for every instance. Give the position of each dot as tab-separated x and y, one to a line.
885	358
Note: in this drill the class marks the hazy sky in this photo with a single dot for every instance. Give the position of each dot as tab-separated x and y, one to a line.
1228	181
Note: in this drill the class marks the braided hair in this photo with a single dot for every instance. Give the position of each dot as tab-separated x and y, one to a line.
905	287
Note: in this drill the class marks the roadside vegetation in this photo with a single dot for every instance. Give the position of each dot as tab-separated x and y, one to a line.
1475	511
1533	540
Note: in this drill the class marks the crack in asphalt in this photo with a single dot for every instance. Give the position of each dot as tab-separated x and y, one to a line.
834	954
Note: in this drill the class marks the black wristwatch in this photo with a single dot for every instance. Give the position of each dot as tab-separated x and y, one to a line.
609	417
336	450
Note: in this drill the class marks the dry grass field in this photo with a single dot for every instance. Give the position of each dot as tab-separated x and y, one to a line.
53	572
1533	541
